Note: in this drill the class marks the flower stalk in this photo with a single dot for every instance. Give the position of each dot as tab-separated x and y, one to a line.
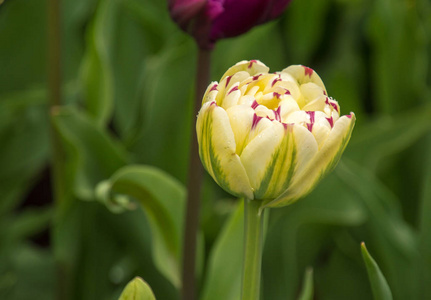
253	246
194	184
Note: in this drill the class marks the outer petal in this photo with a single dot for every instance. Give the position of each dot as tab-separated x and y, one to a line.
217	151
323	162
270	160
183	11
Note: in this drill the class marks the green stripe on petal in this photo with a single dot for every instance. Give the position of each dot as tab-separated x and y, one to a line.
323	162
280	170
258	156
217	151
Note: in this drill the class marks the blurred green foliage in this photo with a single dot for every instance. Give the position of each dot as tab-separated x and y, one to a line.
127	89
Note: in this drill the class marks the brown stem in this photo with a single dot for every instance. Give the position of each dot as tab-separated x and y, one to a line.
57	153
194	184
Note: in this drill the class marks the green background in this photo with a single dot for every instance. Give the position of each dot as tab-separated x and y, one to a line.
127	90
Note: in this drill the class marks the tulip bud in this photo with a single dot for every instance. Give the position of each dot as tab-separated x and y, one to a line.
210	20
270	136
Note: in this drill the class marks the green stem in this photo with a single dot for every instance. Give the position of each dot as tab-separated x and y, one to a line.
194	184
253	245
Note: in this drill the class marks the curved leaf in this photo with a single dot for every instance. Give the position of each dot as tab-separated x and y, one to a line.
380	287
96	73
307	291
92	154
163	199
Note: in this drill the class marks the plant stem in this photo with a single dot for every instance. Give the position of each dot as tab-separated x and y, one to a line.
253	245
54	94
57	153
194	184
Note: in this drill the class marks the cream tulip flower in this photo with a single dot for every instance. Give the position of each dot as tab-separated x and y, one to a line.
270	136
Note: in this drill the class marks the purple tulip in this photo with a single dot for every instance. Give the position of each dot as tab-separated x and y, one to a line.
210	20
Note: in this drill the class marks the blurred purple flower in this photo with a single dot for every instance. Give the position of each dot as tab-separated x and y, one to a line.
210	20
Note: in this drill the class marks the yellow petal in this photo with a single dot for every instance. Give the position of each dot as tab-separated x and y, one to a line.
210	93
252	67
231	97
241	118
217	151
304	75
257	157
323	162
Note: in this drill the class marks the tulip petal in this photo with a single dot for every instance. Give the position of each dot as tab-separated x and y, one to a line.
323	162
304	75
268	160
210	93
241	118
252	67
217	151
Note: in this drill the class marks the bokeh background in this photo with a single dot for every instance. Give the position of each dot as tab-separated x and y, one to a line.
127	91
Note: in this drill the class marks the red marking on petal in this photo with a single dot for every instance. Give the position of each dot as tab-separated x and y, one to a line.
349	116
335	106
311	114
256	77
310	125
330	121
277	114
254	104
256	120
308	71
324	93
275	81
214	88
228	80
213	103
251	63
277	95
287	92
327	101
235	88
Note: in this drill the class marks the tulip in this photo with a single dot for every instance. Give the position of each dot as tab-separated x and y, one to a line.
210	20
270	136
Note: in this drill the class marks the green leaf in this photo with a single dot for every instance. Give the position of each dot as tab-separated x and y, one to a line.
165	118
401	35
304	24
223	278
388	135
425	217
380	287
92	154
20	69
25	143
307	291
297	234
394	241
96	75
20	273
29	222
163	199
137	289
